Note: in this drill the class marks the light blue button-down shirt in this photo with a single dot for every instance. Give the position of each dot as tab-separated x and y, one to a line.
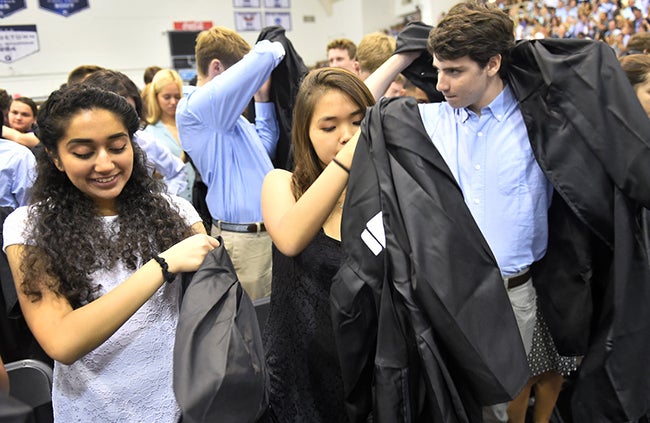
504	188
17	173
232	155
163	160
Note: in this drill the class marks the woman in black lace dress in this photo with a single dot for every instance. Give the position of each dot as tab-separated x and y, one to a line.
302	213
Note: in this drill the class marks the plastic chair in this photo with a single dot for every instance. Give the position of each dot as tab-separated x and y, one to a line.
14	411
30	381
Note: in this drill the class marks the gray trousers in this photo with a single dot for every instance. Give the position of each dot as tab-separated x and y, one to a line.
523	299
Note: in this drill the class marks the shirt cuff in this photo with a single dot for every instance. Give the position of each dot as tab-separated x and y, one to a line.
264	110
273	47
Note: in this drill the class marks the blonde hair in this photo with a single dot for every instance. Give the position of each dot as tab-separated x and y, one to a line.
161	79
219	43
373	50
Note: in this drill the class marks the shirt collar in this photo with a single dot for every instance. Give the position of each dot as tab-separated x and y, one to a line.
499	108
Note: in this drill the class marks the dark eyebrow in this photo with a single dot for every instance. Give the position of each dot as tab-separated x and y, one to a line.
326	118
449	68
90	140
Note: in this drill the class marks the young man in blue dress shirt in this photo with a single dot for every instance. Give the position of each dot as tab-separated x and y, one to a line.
515	115
232	154
480	133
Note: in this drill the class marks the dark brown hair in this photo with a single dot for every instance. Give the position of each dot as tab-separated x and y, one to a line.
80	73
344	44
28	101
474	29
636	67
318	82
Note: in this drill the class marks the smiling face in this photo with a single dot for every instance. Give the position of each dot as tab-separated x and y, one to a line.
97	156
465	84
21	116
336	118
168	99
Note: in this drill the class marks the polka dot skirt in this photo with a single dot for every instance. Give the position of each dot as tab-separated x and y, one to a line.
543	356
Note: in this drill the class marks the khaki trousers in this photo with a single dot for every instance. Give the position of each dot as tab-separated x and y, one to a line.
251	255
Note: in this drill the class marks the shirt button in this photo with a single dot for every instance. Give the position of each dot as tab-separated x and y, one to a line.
477	201
480	134
477	167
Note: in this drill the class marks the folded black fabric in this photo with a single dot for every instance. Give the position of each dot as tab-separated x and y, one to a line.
421	72
219	368
285	81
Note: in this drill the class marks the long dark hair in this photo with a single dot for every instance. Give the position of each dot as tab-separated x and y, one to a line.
318	82
67	238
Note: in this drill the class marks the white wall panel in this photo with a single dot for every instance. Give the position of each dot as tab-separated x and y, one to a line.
129	35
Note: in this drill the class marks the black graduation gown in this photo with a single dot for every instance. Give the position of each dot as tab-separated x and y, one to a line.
420	73
591	138
285	81
428	317
219	368
589	135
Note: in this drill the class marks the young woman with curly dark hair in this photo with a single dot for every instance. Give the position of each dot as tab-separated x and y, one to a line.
90	257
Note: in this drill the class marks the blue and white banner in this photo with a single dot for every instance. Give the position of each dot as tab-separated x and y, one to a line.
245	21
246	3
17	41
282	19
64	7
277	4
7	7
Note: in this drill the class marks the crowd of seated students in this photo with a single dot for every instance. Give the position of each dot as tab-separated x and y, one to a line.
611	21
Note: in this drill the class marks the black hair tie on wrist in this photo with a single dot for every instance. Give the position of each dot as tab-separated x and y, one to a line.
341	165
167	275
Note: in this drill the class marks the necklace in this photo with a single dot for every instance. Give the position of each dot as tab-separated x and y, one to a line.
340	204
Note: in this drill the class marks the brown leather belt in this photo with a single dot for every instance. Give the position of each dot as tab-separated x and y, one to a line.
240	227
518	280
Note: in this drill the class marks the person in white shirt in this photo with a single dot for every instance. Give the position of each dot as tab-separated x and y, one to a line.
94	257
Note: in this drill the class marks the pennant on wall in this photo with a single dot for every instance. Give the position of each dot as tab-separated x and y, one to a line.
282	19
245	21
274	4
64	7
246	3
7	7
17	41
